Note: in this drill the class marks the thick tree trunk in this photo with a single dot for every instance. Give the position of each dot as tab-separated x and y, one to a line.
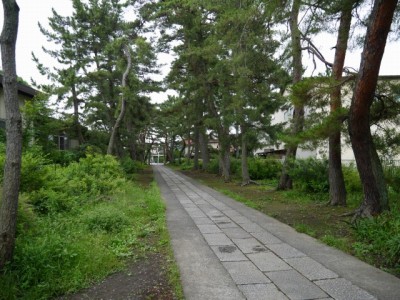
12	166
196	147
337	189
285	182
111	144
77	124
224	154
245	167
182	150
368	163
204	149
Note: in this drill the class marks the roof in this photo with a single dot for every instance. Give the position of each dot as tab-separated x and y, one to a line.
22	88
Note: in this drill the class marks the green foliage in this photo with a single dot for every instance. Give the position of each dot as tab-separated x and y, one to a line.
92	178
131	166
264	168
392	176
340	243
56	254
105	219
352	179
213	166
310	175
379	240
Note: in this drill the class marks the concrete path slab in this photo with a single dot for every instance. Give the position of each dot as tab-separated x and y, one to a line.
226	250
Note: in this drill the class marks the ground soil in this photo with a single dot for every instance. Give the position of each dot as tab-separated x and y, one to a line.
145	278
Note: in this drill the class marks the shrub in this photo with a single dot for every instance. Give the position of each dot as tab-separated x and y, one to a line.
131	166
260	168
310	175
352	179
92	177
213	166
34	170
392	176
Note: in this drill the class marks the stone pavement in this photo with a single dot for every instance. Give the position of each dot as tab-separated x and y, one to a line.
226	250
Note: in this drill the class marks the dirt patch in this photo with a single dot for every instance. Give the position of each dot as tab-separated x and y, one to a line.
143	279
145	177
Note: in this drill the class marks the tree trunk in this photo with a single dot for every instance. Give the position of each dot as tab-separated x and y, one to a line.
182	150
224	154
285	182
78	128
111	144
204	149
337	189
245	167
12	166
196	147
368	163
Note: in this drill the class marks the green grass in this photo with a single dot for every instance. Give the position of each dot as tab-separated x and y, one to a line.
61	253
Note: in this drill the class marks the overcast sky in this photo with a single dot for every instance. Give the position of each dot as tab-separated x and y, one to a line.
30	39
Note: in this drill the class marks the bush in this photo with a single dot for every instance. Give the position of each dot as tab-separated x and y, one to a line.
131	166
92	177
392	176
260	168
352	179
213	166
310	175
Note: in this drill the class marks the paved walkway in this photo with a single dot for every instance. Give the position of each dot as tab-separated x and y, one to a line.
226	250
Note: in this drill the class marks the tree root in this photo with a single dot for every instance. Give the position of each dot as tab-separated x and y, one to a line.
360	213
250	182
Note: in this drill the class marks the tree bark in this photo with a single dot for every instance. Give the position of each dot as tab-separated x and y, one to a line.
111	144
368	163
12	167
245	167
285	181
224	154
337	189
78	128
196	139
204	149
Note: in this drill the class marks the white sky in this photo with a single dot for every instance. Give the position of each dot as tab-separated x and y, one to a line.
30	39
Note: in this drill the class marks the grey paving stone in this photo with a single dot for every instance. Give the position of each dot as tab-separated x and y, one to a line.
262	292
268	261
196	214
206	228
245	272
189	205
228	253
203	221
266	238
310	268
252	227
296	286
231	212
285	251
200	202
225	224
240	219
250	245
236	233
343	289
217	239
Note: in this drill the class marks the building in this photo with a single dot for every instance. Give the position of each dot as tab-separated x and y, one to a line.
284	116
